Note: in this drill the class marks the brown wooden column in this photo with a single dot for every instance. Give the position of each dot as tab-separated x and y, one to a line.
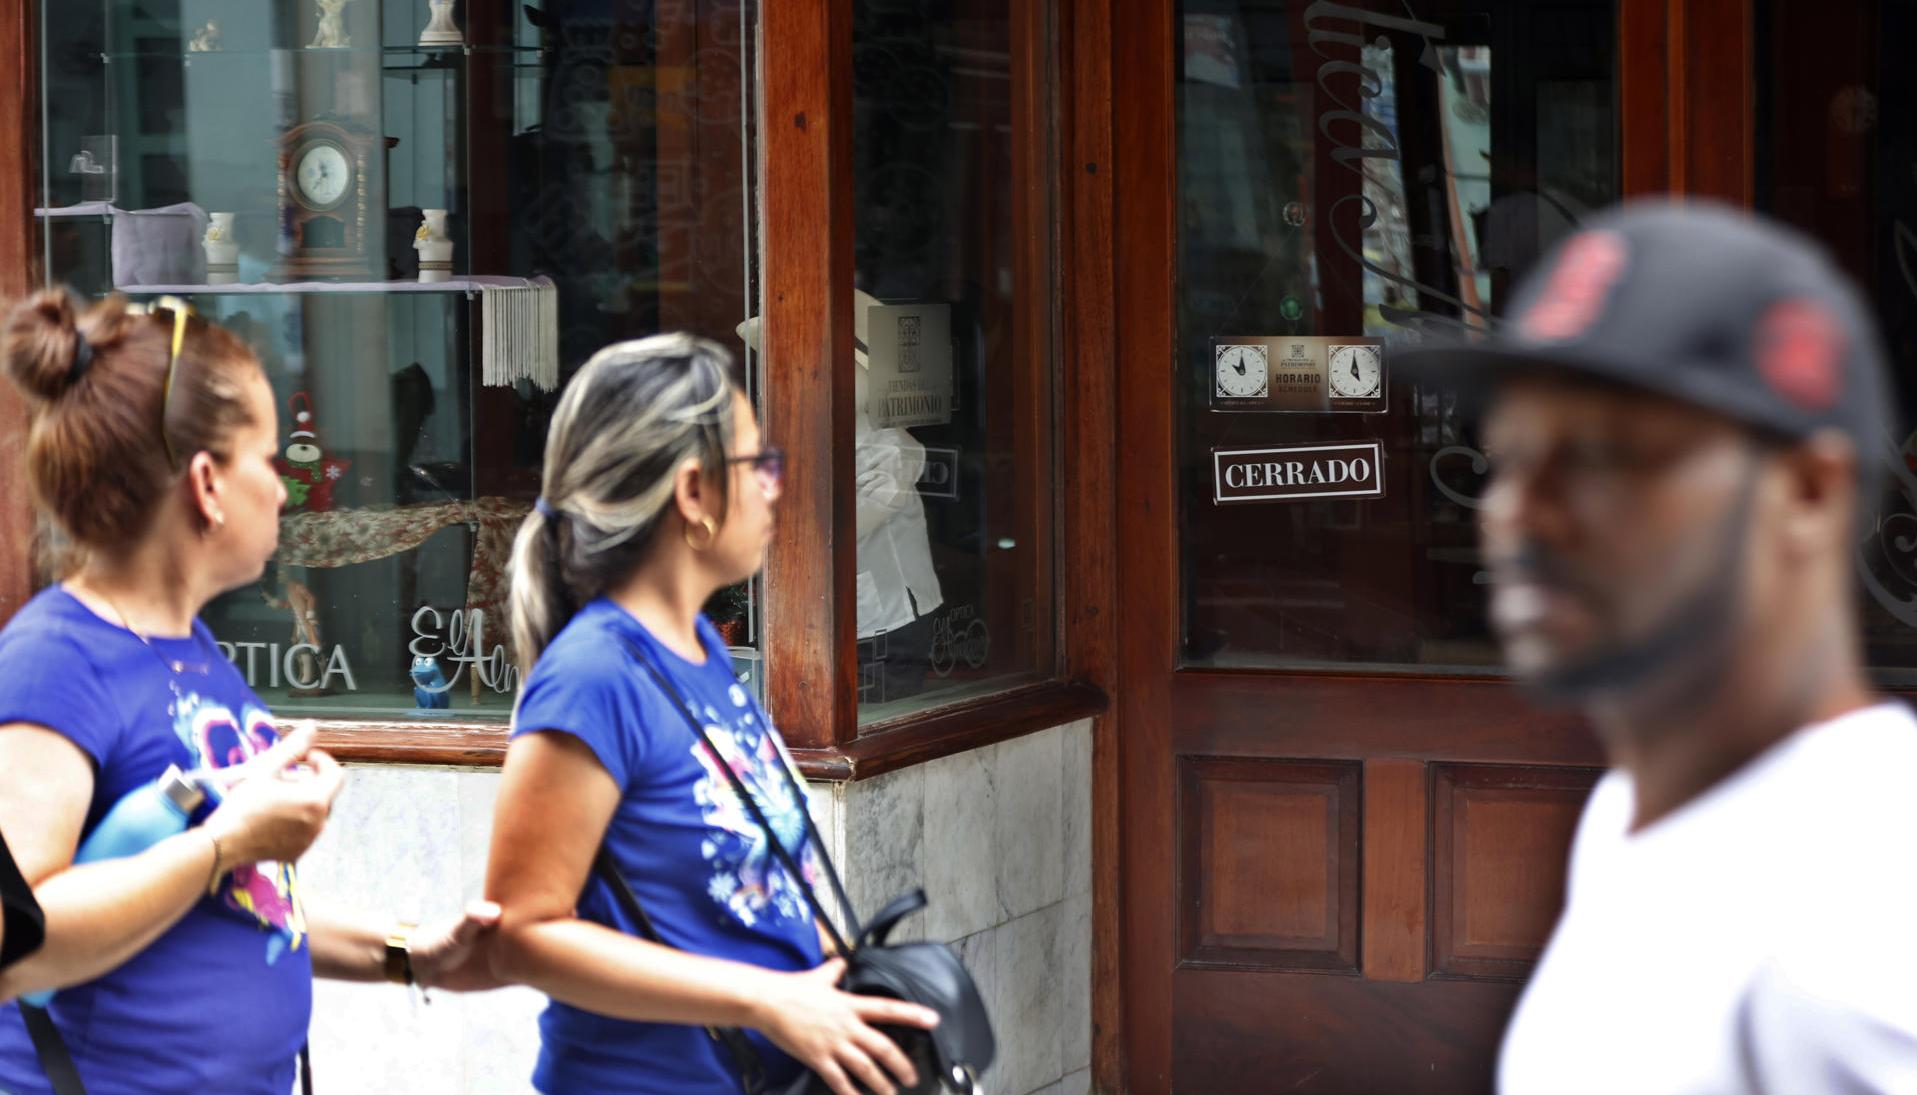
19	272
1144	253
811	674
1036	395
1685	71
1087	419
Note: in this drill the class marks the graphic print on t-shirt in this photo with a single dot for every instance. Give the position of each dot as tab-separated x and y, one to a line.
746	876
266	891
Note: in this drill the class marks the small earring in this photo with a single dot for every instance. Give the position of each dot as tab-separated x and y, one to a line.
712	533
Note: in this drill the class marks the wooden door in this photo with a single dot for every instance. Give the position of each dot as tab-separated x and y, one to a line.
1342	832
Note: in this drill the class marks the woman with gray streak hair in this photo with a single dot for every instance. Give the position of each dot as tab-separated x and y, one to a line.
657	492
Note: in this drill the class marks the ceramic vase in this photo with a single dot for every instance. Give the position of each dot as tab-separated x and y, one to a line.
222	250
435	247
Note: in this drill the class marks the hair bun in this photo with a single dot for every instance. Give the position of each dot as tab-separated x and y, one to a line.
42	343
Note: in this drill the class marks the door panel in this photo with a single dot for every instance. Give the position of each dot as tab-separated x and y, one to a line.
1343	834
1269	874
1498	837
1261	1033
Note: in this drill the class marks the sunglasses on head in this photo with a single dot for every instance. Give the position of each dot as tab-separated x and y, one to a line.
182	311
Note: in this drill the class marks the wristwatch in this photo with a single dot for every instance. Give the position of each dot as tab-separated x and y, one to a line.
399	953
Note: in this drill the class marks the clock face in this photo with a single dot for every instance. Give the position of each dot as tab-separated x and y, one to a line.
321	175
1242	372
1355	372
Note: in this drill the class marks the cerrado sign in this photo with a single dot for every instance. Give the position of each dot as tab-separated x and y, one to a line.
1298	473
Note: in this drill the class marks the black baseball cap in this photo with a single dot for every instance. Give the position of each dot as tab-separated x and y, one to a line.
1699	302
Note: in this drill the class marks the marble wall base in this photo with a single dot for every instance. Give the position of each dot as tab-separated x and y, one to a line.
999	837
410	844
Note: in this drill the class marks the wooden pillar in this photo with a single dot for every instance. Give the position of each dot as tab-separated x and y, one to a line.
806	142
1685	101
19	272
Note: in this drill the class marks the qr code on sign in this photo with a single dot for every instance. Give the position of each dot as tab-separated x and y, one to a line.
908	330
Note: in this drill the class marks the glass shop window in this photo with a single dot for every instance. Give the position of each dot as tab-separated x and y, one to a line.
423	217
953	459
1837	158
1352	178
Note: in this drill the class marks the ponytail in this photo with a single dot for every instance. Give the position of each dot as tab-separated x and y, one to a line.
632	416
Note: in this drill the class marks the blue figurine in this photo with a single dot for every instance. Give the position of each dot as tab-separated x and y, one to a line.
430	690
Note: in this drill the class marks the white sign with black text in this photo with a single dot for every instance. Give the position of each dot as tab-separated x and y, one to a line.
1298	473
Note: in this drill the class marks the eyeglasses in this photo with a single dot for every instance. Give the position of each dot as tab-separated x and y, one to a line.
768	463
182	311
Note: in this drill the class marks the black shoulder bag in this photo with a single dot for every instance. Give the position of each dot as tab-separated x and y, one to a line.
949	1057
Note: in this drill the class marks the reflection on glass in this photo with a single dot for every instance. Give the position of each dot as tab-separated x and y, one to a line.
421	243
1348	176
951	462
1838	161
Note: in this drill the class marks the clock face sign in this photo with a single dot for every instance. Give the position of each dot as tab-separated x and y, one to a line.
322	175
1298	374
1355	372
1242	371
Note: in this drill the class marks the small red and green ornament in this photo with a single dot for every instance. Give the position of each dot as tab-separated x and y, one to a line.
309	474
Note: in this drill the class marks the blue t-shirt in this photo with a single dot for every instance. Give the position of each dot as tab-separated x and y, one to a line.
703	871
220	1002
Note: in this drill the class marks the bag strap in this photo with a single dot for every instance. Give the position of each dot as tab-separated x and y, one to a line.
744	1057
55	1061
758	814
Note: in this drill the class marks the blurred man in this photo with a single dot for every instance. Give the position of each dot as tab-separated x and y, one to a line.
1685	418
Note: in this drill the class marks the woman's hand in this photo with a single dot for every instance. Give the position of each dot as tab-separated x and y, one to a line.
279	805
832	1032
451	954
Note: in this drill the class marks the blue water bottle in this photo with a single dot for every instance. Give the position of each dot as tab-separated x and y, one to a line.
142	818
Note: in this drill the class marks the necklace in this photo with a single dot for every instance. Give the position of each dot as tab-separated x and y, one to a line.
173	665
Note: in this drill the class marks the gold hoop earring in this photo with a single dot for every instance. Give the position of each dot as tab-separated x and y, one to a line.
712	533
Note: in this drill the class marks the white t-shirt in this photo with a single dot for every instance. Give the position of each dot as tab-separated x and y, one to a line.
896	581
1760	939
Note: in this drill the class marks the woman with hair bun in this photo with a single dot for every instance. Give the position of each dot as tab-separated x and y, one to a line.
190	963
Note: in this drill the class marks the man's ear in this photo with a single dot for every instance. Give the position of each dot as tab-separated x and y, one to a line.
1820	500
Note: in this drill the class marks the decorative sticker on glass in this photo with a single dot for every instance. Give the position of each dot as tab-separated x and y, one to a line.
910	382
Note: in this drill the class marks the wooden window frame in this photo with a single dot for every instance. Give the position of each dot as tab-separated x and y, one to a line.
810	639
1083	241
807	273
20	271
808	628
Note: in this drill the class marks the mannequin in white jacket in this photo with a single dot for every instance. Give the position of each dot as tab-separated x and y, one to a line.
898	589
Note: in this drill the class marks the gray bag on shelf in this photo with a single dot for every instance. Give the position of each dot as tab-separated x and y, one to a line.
159	246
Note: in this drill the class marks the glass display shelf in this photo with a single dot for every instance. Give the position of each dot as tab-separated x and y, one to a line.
318	51
467	285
